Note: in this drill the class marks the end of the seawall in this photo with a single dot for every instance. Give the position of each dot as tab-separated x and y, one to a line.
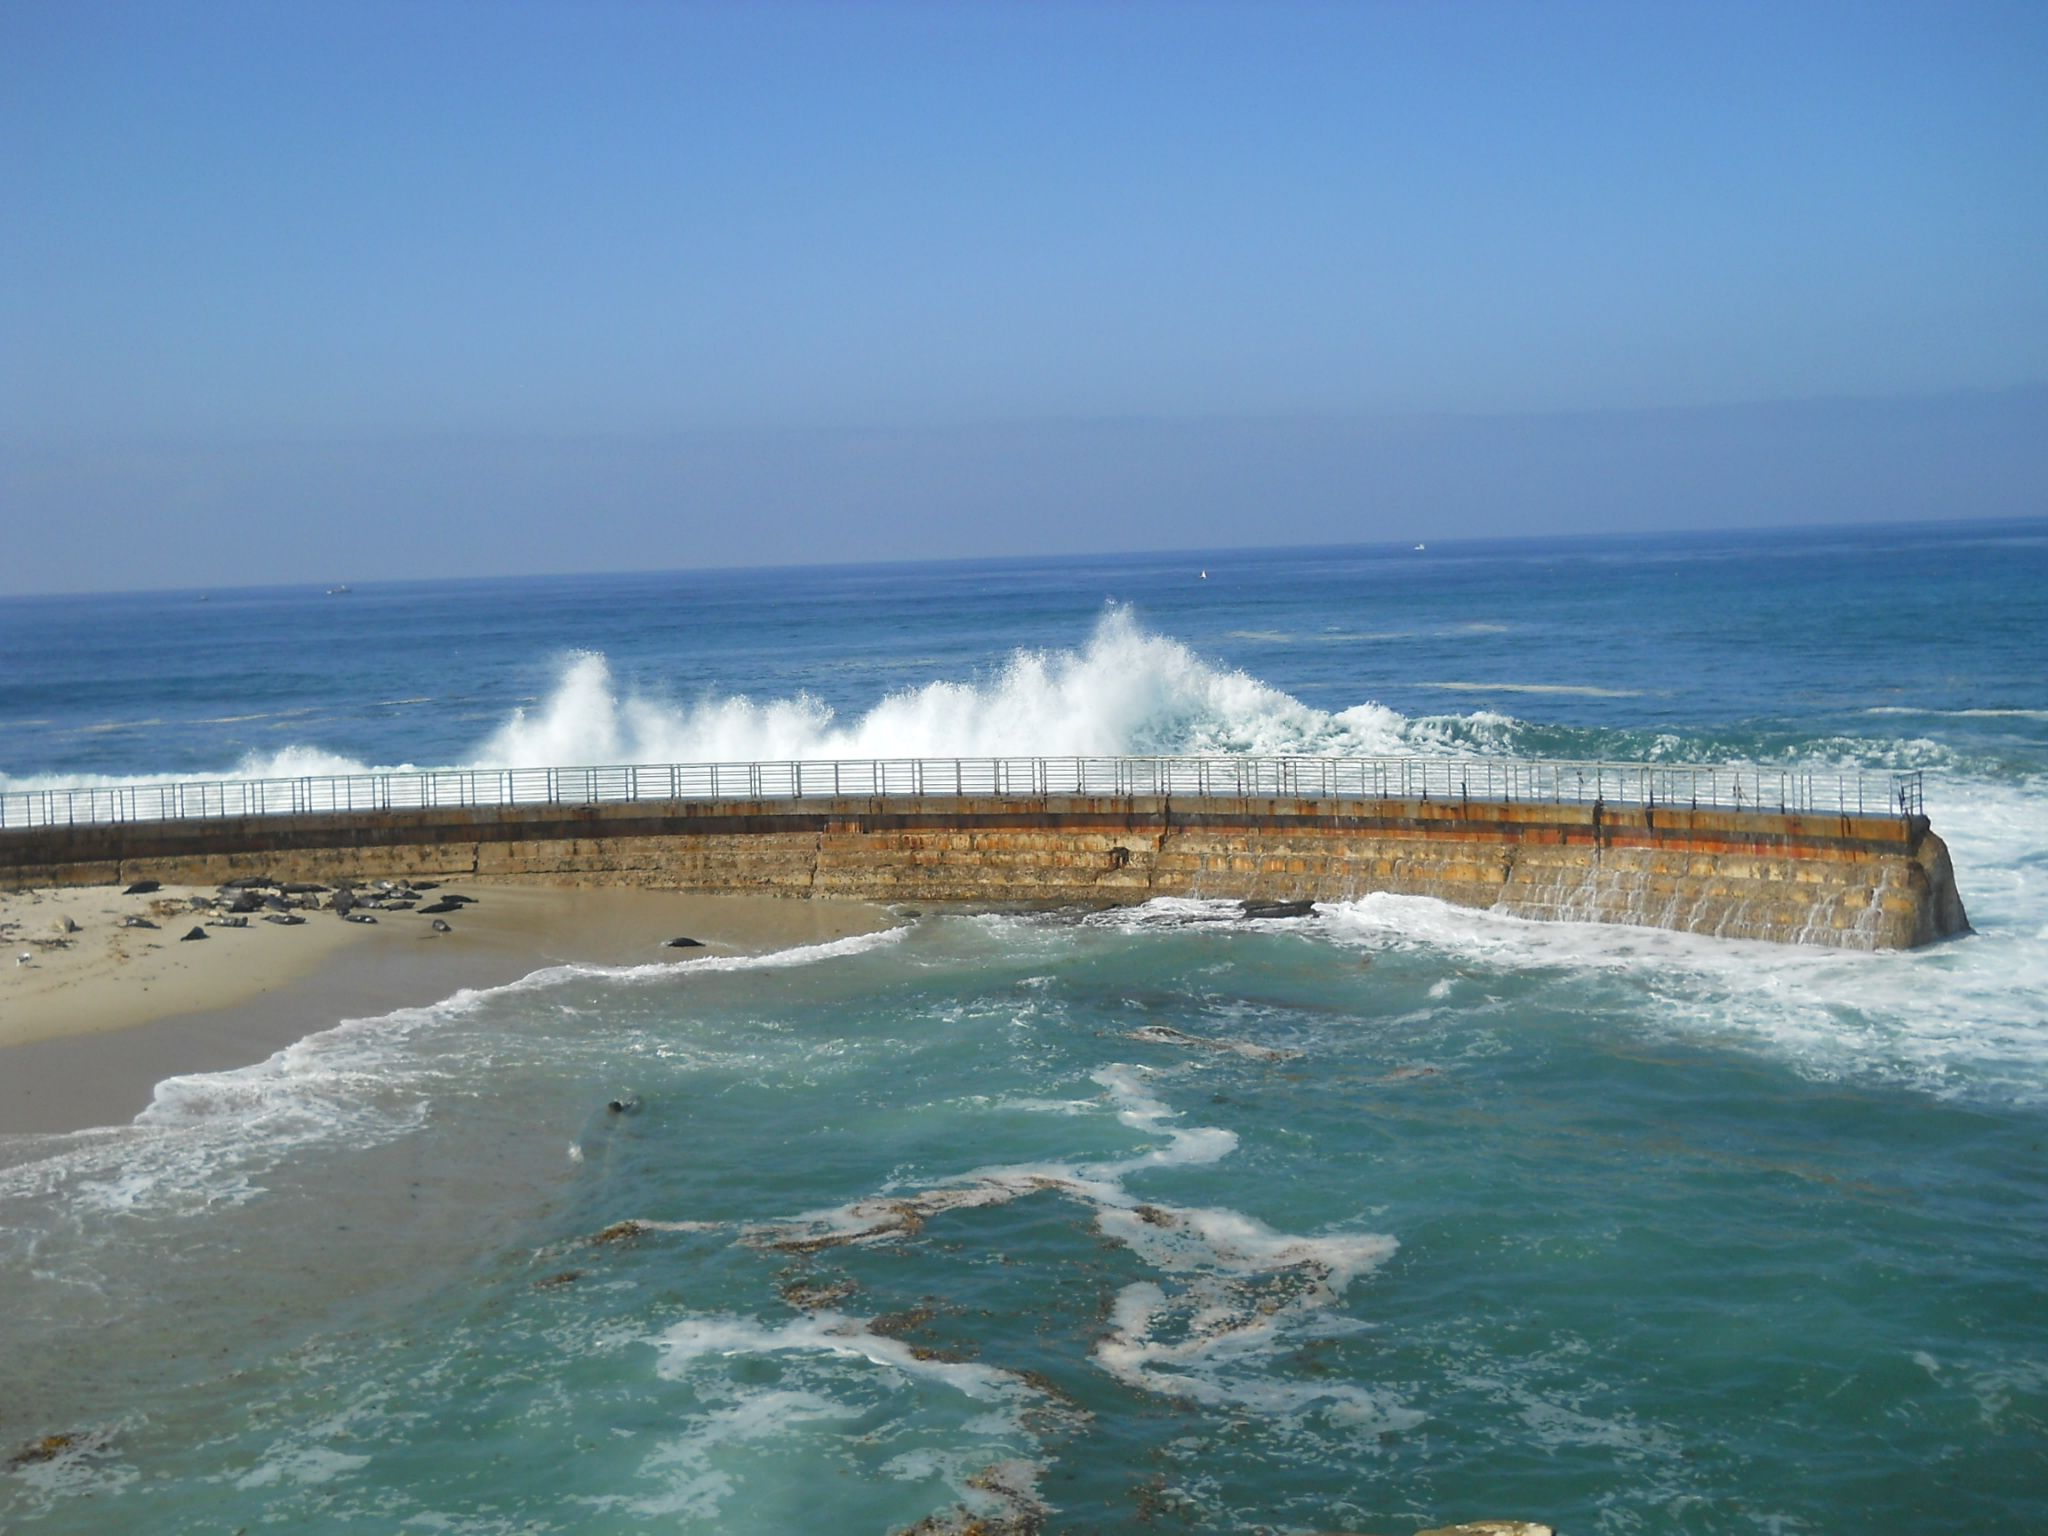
1941	914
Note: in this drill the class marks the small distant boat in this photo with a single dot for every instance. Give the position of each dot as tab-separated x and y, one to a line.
1420	548
1205	575
340	591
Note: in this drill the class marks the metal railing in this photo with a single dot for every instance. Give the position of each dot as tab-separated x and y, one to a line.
1736	787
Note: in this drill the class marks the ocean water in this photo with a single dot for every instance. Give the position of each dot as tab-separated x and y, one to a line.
1149	1220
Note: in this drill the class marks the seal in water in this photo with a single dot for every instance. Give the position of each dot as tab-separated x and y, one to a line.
682	943
625	1104
1276	908
1166	1034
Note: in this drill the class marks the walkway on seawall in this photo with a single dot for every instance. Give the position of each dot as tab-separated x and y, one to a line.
1746	852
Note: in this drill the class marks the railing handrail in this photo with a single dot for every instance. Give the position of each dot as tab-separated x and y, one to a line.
1736	786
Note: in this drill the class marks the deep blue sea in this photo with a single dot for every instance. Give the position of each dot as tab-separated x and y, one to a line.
1447	1216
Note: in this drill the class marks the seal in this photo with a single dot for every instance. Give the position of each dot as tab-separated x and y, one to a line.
1276	908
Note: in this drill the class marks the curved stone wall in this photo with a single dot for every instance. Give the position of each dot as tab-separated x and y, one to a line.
1861	882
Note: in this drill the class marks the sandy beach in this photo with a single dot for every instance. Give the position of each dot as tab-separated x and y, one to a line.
96	1008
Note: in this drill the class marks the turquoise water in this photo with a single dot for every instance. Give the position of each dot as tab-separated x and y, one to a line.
1154	1220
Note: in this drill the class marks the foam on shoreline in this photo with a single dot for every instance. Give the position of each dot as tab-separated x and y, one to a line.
88	1028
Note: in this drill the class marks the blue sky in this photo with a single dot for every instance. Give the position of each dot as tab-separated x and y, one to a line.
315	290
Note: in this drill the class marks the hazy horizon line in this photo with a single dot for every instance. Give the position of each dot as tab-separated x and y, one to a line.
1195	552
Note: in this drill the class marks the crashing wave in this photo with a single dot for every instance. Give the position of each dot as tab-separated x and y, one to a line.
1126	691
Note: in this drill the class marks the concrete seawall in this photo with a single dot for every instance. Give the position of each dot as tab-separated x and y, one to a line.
1858	882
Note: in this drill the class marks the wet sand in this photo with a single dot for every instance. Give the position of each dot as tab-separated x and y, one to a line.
95	1018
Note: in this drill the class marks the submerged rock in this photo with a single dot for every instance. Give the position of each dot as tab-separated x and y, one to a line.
810	1293
46	1449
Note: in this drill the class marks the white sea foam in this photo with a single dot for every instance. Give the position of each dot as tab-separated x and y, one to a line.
832	1333
206	1139
1220	1327
712	965
1964	1018
693	1486
88	1468
984	1474
305	1464
1959	714
1193	1238
702	1468
1582	690
1126	690
1240	1287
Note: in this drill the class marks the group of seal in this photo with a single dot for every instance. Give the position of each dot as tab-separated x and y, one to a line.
282	902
